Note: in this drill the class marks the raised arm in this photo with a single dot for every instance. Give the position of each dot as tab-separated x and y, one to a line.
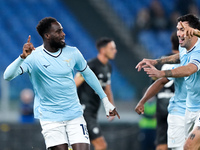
150	92
13	70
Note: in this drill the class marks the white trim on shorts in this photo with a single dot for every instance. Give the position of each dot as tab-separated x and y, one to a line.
197	123
57	133
175	132
191	120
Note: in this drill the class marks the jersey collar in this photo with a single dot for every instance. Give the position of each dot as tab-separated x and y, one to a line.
56	54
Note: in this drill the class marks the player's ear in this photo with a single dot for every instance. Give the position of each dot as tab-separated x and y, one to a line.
102	50
46	35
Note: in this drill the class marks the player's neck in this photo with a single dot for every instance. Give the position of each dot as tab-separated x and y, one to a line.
104	60
49	48
193	42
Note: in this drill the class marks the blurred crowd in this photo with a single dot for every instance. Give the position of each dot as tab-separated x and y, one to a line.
155	17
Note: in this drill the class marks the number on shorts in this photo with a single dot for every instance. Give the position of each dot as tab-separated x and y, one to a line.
85	131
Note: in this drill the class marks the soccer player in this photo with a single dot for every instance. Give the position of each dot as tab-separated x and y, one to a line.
89	99
176	108
56	104
190	64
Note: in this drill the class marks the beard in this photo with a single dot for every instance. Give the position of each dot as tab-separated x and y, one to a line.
56	45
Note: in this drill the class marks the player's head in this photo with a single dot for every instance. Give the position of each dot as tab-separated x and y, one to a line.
27	96
107	47
192	20
51	31
189	20
174	42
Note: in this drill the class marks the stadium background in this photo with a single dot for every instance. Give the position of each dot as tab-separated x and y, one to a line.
140	28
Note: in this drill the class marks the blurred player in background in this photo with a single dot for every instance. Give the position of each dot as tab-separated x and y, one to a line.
190	64
56	104
26	106
88	98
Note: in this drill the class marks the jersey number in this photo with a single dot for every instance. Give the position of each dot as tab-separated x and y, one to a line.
84	128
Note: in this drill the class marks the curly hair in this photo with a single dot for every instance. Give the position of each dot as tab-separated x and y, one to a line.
44	25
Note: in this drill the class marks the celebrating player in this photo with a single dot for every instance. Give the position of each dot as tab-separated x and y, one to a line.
190	64
56	104
176	108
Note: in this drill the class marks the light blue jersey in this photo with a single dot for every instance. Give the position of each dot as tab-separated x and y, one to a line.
192	81
52	77
177	103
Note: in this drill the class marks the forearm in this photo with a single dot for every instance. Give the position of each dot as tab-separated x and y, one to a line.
93	82
173	59
153	89
109	94
13	70
182	71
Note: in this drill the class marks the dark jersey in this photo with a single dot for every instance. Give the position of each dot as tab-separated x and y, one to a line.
162	103
88	98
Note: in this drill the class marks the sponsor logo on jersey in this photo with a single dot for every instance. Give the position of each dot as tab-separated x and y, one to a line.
46	66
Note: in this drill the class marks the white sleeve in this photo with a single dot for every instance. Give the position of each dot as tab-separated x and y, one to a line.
14	69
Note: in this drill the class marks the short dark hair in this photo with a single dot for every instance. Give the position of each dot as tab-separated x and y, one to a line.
102	42
174	41
192	20
44	25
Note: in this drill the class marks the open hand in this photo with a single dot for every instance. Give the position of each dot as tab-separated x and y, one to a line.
153	72
142	64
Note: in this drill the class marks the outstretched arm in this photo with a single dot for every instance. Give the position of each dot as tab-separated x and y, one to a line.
92	80
182	71
172	59
150	92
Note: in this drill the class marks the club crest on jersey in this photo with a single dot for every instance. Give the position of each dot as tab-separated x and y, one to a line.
68	61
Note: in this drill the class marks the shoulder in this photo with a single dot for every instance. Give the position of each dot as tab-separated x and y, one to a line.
70	48
35	52
197	46
93	62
